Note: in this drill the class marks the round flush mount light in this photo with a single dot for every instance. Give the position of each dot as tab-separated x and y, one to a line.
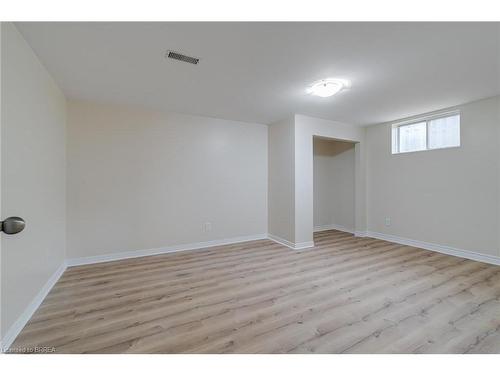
327	87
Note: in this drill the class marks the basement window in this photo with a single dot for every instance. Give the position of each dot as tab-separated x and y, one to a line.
427	133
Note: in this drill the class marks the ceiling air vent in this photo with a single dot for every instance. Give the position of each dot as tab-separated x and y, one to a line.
181	57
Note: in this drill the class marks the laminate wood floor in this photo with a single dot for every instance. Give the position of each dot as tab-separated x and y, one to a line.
345	295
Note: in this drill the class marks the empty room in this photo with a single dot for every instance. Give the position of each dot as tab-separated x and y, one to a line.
250	187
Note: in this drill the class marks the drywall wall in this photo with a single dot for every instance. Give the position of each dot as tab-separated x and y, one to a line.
281	181
139	179
334	166
447	197
33	118
305	129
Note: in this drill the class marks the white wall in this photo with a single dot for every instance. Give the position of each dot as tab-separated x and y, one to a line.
33	175
446	197
281	180
305	129
139	179
334	166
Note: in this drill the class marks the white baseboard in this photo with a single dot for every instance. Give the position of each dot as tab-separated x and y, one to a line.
467	254
281	241
291	245
303	245
162	250
26	315
321	228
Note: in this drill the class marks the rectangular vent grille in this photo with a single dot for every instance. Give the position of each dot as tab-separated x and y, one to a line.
181	57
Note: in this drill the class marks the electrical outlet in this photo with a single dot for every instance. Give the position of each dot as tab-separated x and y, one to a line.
207	227
387	221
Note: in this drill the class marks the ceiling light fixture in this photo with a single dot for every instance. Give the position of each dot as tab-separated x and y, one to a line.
327	87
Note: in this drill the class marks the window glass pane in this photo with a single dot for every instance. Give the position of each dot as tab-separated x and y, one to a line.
444	132
412	137
394	136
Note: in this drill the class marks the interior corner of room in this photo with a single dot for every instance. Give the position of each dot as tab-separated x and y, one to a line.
101	180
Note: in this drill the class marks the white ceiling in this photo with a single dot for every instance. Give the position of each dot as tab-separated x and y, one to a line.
258	72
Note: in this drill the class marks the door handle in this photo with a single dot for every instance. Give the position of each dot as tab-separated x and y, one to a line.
12	225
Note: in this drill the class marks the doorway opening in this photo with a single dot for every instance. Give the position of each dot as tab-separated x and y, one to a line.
334	184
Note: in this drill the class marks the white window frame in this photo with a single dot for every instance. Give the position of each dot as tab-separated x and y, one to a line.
395	131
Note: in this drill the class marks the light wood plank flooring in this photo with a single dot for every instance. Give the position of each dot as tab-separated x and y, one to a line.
345	295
